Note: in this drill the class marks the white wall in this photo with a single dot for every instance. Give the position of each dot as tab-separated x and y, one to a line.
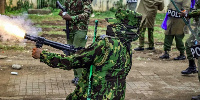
14	2
103	5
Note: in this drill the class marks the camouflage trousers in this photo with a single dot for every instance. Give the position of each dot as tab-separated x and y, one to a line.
78	39
188	44
179	42
150	37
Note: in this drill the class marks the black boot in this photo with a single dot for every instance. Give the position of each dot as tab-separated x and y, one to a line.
196	97
165	55
191	69
139	49
150	48
180	57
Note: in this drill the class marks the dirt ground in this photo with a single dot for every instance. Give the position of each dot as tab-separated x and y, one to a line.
149	79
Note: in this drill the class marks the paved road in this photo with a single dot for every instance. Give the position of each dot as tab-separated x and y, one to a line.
149	79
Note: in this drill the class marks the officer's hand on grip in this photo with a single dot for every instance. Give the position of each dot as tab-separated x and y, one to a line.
67	17
36	53
183	13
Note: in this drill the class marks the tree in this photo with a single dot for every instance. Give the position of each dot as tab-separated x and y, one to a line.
2	6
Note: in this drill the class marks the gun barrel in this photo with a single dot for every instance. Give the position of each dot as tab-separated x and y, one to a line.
29	37
60	45
41	40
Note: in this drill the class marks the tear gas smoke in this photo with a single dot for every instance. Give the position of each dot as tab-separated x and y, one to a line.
13	29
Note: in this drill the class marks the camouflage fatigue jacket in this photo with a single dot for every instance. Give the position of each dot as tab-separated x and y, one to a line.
80	11
111	60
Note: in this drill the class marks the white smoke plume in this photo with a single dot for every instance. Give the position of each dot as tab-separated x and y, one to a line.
20	22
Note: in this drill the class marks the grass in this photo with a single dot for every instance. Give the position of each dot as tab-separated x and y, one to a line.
54	32
37	18
159	18
49	26
10	47
54	17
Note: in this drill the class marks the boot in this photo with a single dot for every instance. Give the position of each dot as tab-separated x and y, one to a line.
191	69
165	55
181	57
196	97
150	48
139	49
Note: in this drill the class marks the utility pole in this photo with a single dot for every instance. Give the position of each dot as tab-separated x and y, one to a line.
2	6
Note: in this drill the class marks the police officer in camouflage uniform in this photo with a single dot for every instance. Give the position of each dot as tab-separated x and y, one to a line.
78	15
148	9
196	15
111	57
191	42
175	27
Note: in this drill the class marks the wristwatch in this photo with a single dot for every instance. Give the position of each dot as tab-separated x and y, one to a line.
64	13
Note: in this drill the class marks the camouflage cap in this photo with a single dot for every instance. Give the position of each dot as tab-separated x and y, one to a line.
125	25
128	17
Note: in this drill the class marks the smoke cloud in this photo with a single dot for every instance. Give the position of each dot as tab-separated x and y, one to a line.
21	22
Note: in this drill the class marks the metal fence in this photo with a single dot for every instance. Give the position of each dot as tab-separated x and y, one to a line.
48	3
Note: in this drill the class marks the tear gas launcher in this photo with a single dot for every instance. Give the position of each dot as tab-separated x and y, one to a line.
40	41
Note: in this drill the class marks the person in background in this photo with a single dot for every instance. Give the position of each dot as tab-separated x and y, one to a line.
78	15
195	14
148	9
193	40
175	29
